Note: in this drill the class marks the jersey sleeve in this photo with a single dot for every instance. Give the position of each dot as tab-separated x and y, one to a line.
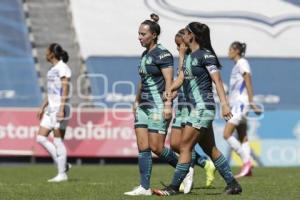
165	59
210	62
209	59
64	71
244	67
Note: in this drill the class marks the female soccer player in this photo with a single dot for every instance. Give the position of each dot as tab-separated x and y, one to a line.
200	69
177	128
240	97
152	113
54	112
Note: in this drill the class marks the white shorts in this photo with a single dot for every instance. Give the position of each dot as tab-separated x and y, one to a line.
50	122
239	112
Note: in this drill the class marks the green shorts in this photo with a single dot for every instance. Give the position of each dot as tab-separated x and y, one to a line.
180	117
151	118
200	118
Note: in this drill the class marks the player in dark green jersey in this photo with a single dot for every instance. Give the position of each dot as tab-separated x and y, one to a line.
179	122
152	112
200	69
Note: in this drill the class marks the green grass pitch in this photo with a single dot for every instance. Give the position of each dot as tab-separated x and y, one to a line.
110	181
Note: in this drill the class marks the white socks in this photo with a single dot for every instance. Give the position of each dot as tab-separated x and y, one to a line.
48	146
61	155
237	147
57	151
246	148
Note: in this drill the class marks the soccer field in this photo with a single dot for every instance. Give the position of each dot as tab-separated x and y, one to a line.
110	181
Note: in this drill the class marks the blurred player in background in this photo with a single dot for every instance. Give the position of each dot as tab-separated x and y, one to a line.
240	98
176	132
200	69
54	112
152	113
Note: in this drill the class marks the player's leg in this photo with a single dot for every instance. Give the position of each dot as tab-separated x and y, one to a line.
204	162
158	128
61	152
43	133
231	125
144	155
247	164
208	144
233	142
176	132
175	139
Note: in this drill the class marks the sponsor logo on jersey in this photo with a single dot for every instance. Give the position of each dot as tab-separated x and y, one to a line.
164	55
208	56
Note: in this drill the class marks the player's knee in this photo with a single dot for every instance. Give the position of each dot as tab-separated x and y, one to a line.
226	135
185	147
175	146
156	149
41	139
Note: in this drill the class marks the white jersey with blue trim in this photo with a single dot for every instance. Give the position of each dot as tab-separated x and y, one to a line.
238	92
54	85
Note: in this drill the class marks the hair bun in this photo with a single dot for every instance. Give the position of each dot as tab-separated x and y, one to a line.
154	17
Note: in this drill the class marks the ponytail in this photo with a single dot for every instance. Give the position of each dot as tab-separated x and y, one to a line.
241	47
202	37
59	52
153	25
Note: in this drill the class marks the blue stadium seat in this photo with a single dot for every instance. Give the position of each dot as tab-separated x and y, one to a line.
18	78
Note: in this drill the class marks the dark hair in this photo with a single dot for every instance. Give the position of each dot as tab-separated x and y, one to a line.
59	52
239	46
180	33
153	24
202	37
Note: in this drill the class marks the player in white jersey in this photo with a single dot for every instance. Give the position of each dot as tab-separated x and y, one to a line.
240	99
55	111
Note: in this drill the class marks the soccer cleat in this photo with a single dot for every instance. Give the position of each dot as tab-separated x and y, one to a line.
246	170
188	181
167	191
139	191
210	171
68	167
59	178
233	188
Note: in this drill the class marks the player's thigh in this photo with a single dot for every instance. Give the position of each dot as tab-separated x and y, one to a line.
208	143
228	130
242	131
59	133
44	131
189	138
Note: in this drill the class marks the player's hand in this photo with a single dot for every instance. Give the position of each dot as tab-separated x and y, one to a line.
40	113
167	111
182	49
256	109
169	95
60	116
226	113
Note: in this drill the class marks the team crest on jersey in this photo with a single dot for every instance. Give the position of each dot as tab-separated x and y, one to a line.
194	62
142	68
149	60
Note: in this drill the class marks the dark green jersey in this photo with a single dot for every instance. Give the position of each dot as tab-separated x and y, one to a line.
152	79
197	81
